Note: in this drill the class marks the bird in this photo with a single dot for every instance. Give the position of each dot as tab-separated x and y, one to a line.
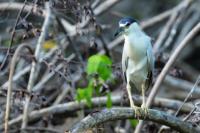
137	60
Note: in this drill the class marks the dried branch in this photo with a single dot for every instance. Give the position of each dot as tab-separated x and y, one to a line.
183	85
174	28
9	92
170	62
17	6
116	100
69	39
39	85
169	24
193	19
158	18
105	6
28	68
188	69
12	35
127	113
33	67
39	129
189	94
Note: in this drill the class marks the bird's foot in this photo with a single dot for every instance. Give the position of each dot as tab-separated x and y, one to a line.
145	109
137	111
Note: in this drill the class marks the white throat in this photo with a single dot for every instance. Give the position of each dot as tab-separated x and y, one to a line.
134	30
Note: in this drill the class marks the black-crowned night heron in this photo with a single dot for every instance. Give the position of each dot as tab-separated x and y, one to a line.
137	59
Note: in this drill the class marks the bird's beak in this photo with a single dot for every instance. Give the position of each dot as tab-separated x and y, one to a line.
119	31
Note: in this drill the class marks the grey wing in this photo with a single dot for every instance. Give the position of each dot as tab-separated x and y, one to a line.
125	59
150	65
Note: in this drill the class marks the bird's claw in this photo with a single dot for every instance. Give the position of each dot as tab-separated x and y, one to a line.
137	111
145	109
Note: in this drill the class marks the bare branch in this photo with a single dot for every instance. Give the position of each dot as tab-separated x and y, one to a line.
170	62
127	113
33	68
116	100
17	6
183	5
181	84
12	68
12	35
189	94
105	6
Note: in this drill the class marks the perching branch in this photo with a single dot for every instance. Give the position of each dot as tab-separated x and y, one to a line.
116	100
127	113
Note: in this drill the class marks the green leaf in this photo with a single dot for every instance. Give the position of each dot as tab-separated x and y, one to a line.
85	94
134	122
80	94
88	96
100	64
109	100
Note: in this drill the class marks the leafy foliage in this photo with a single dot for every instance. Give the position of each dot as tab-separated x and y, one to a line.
134	122
99	65
85	93
109	100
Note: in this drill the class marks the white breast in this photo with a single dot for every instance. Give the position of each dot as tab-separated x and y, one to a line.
135	48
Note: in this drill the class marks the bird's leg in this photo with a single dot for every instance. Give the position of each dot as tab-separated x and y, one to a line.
143	106
137	113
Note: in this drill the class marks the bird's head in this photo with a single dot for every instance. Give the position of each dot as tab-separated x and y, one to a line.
125	25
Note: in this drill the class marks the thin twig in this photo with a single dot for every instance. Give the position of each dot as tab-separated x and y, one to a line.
39	85
12	35
62	94
165	32
104	6
169	24
171	61
189	94
39	129
69	39
33	68
12	68
192	20
191	112
28	68
95	3
158	18
181	84
17	6
174	28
